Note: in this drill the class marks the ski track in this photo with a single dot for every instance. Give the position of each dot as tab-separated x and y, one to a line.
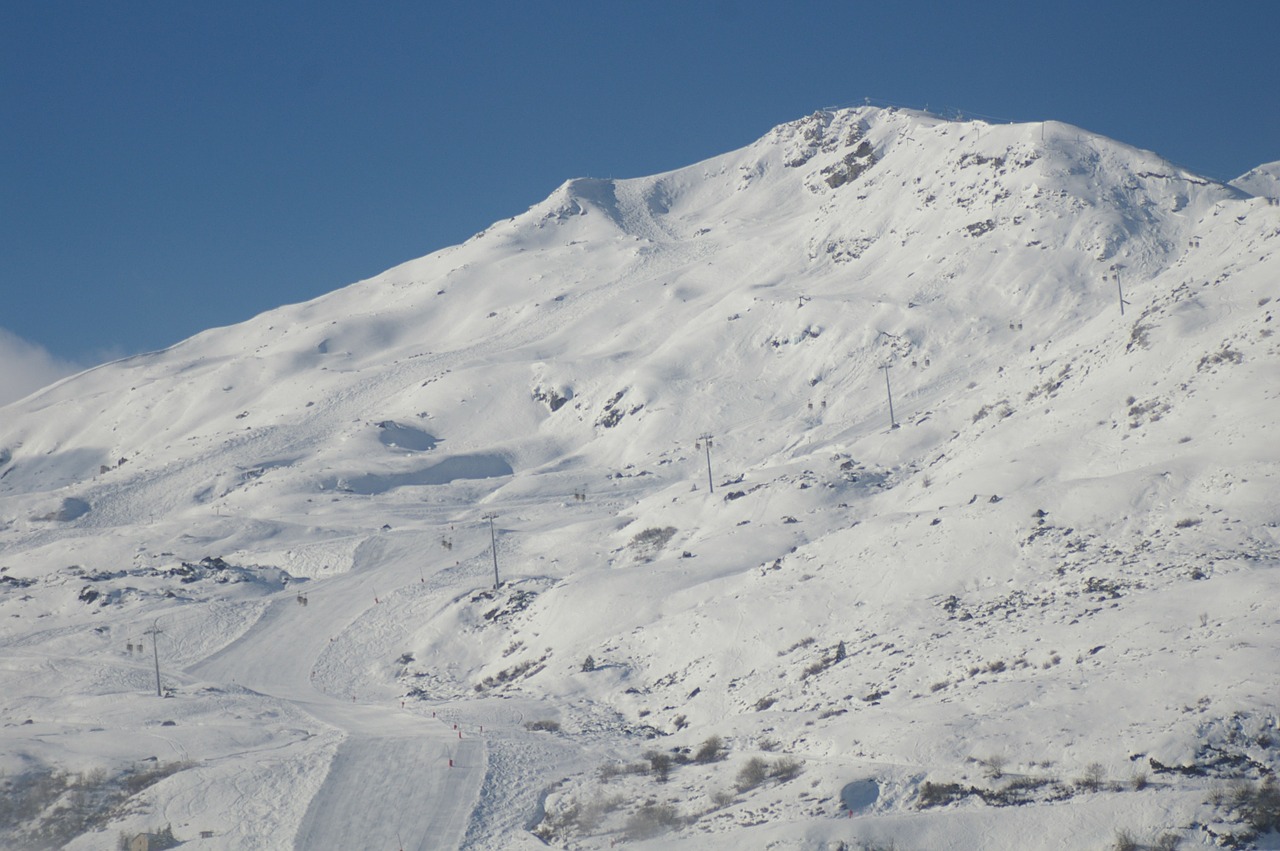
390	781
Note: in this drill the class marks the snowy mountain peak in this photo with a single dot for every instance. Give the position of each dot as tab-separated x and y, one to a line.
881	446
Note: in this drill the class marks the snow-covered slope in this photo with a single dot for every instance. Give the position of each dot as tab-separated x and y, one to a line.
1263	181
666	400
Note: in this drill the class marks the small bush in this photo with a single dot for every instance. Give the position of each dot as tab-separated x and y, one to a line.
994	766
751	775
651	820
804	642
711	750
786	768
1257	806
1093	777
937	794
813	669
647	543
545	725
1018	788
660	764
1125	841
528	667
1265	815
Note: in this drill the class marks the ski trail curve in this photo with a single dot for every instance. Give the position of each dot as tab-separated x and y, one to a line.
397	780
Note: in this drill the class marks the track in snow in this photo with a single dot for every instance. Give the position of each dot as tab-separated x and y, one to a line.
390	784
389	787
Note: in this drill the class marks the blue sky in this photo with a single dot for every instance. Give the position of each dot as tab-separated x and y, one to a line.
169	167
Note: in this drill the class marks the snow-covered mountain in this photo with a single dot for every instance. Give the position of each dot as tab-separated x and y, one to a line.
740	603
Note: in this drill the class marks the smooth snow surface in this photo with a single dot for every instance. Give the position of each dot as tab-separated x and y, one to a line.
1032	608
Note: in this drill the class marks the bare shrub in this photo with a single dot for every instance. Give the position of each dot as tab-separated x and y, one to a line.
651	820
711	750
646	544
994	766
939	794
660	765
786	768
1093	777
751	775
1125	841
1258	806
813	669
804	642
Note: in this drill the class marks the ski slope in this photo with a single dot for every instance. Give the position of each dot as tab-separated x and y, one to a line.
395	774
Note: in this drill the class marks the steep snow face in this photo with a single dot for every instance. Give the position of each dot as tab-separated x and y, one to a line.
674	393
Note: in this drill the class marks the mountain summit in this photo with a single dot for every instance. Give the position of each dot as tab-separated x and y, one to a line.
888	467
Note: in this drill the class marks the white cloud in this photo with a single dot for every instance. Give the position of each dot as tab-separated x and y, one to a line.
26	367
